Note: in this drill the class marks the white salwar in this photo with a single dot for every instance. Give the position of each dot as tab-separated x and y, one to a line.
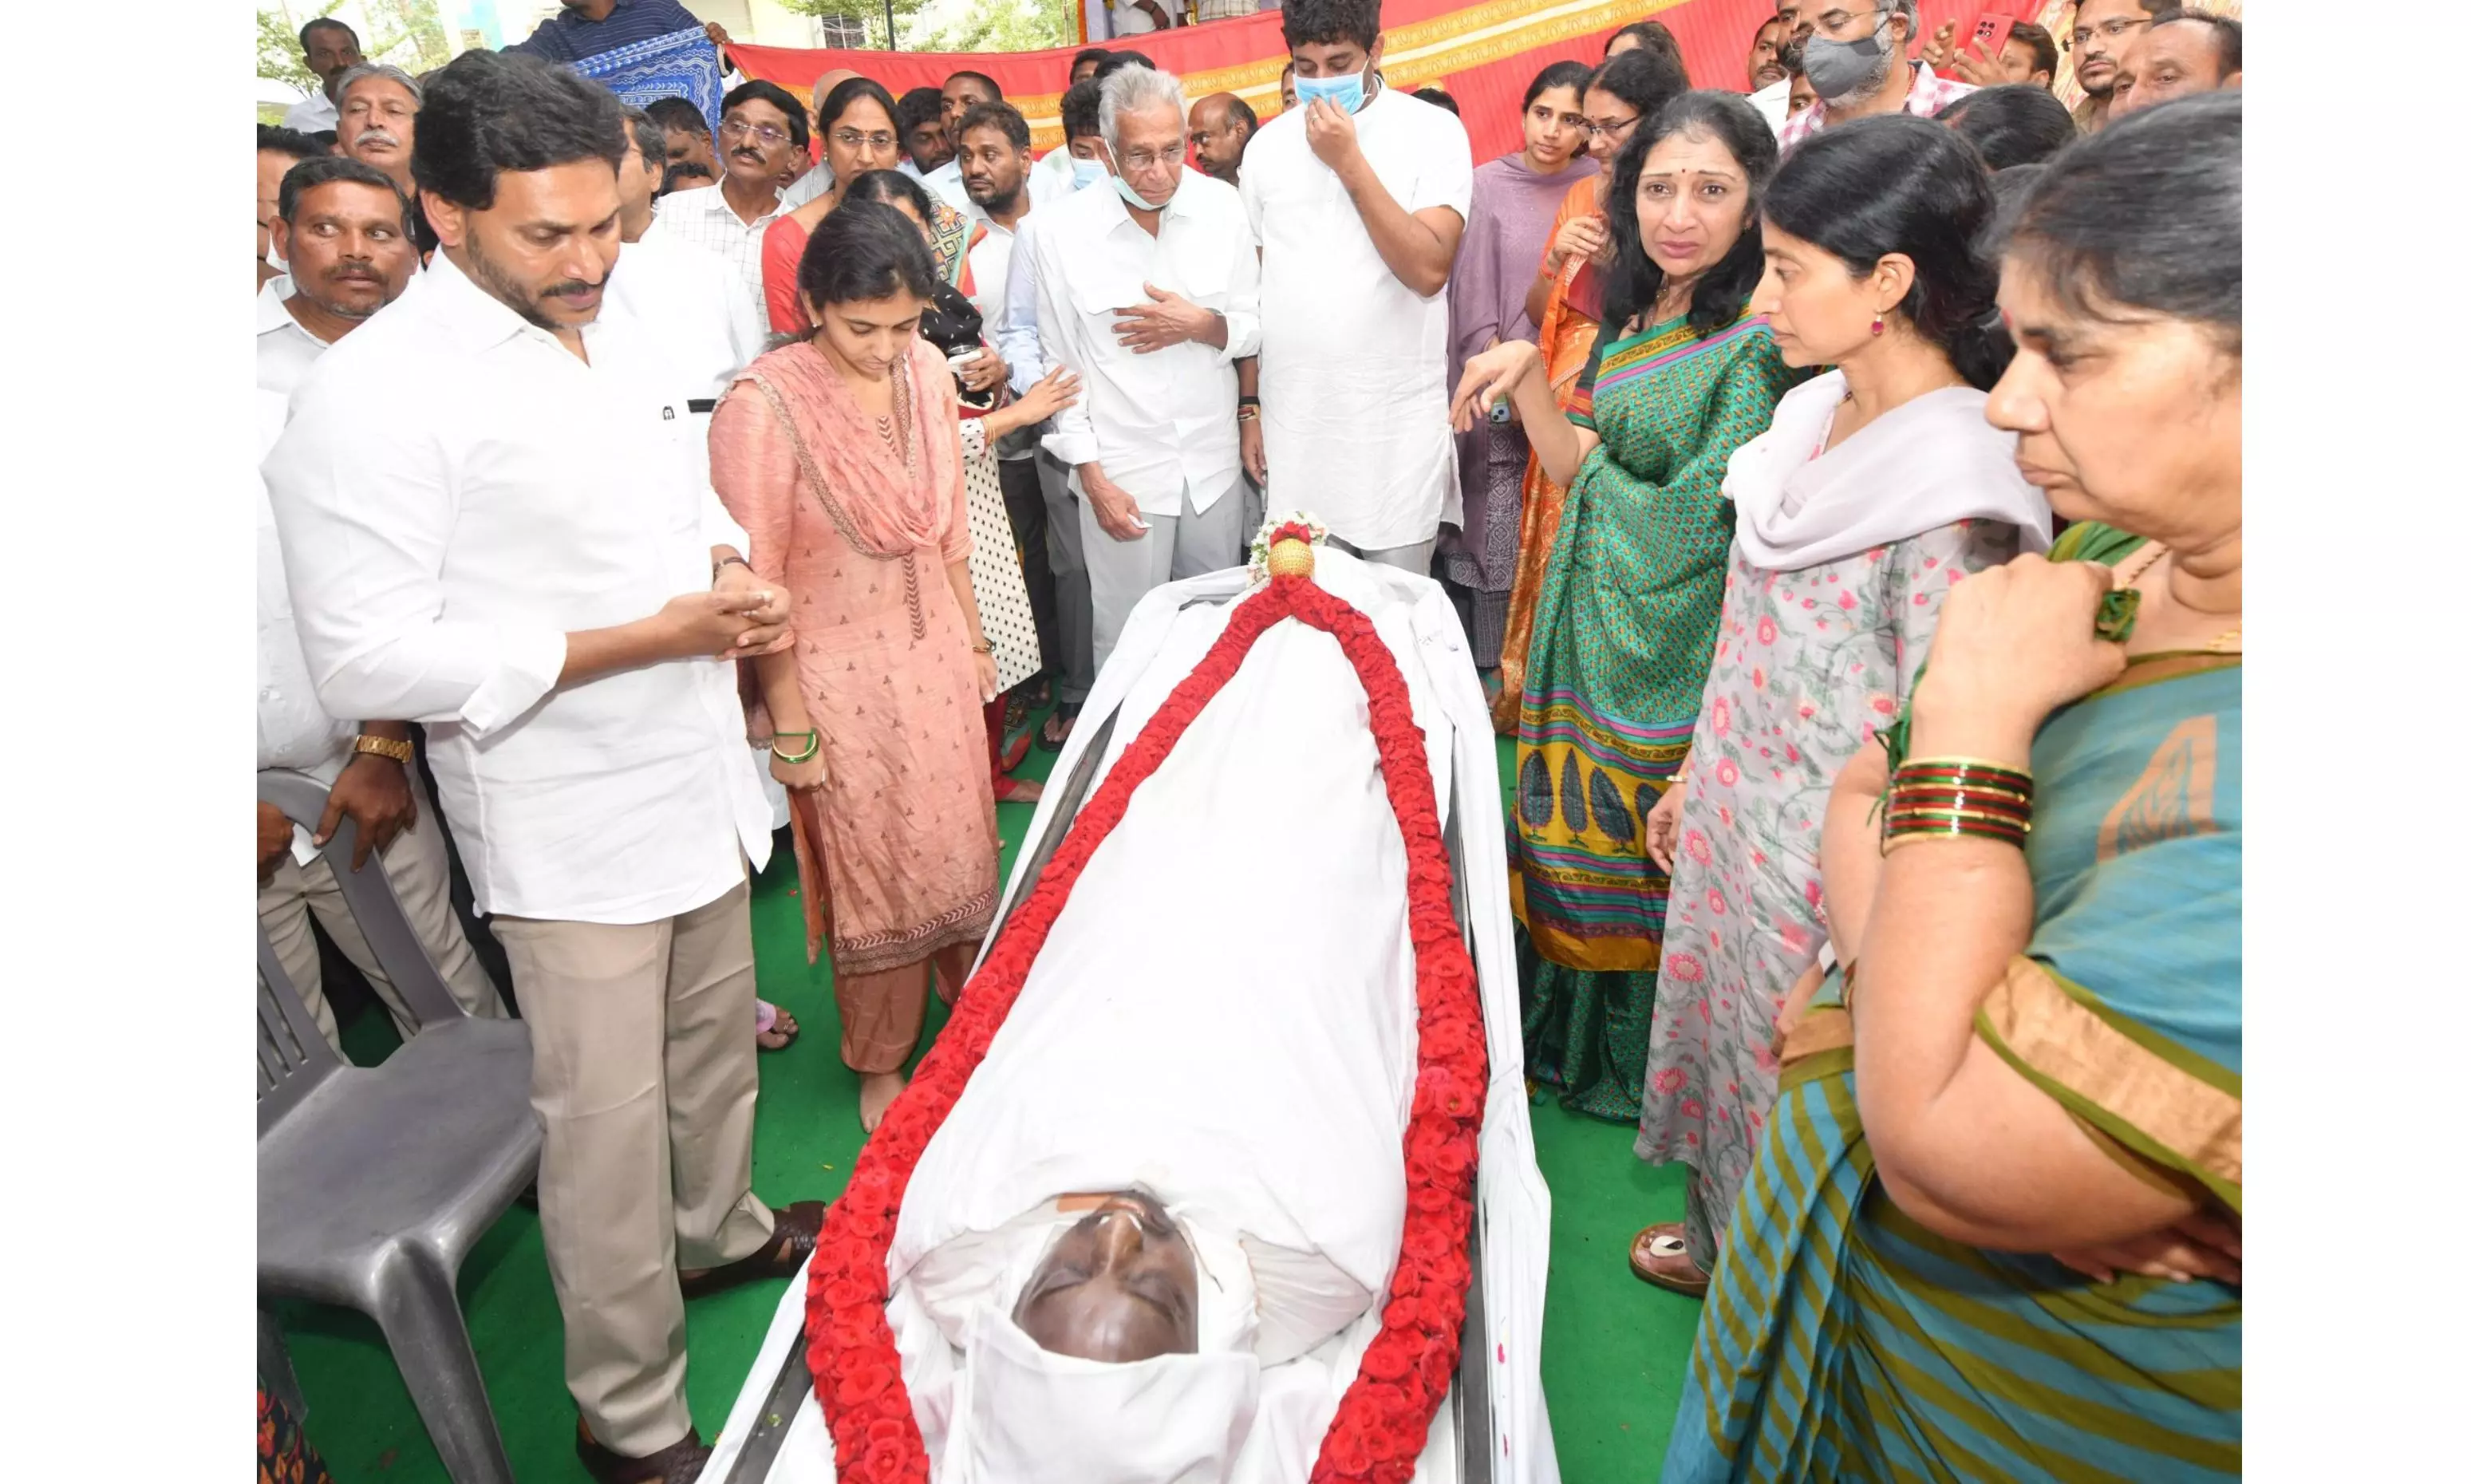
1285	1153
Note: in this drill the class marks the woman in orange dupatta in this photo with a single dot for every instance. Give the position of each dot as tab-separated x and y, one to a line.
1565	302
840	457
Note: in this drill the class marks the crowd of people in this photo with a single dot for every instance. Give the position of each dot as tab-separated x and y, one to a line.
1726	413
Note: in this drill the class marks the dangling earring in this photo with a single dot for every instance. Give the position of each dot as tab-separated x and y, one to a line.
1877	324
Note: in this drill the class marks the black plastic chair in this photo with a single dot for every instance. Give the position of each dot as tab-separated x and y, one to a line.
373	1183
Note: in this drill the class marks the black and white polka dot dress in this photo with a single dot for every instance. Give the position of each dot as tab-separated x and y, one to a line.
995	564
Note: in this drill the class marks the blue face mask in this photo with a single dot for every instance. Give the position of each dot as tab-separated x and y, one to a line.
1347	92
1086	173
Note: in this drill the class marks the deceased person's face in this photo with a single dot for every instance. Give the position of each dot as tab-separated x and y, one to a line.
1118	1285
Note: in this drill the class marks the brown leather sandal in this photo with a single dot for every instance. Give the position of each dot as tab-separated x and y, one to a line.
680	1462
795	1227
1658	1255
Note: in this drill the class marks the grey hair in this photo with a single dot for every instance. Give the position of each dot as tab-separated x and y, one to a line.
1132	89
377	69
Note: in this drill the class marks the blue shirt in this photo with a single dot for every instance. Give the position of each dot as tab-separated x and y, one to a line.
569	36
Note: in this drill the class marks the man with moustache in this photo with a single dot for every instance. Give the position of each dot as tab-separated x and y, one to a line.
1221	124
962	92
331	48
2099	35
343	226
686	138
1765	68
2183	52
920	121
762	132
492	525
380	106
1857	66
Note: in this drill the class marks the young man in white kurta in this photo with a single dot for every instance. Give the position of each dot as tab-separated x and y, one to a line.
1153	427
1355	361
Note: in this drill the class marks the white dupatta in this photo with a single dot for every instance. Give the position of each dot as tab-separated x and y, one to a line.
1929	463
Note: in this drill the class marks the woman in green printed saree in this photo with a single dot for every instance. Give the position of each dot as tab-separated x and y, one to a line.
1626	615
1992	1230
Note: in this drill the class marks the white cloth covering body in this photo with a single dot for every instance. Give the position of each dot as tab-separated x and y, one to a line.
1166	638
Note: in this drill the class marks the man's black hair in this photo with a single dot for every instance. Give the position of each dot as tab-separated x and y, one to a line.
327	168
779	97
989	84
650	142
287	141
679	113
324	139
327	23
2226	33
1118	61
2038	39
1652	34
489	112
1080	110
684	176
1097	54
1324	22
994	115
916	107
1438	99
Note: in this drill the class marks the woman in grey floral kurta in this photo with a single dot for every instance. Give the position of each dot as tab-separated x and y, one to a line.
1841	557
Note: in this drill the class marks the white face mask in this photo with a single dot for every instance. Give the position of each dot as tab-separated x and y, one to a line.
1086	173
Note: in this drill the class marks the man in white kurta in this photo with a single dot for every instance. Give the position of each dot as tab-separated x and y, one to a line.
1354	351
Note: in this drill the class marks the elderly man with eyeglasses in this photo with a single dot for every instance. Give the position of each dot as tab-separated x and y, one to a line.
762	132
1150	292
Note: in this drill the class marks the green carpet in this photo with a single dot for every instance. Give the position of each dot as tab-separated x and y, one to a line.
1614	1347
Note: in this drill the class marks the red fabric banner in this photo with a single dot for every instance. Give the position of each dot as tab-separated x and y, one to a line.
1483	53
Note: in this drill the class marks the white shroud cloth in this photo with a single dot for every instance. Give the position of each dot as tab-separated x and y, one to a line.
1224	1013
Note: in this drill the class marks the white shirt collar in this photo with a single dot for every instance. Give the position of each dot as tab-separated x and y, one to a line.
474	316
709	199
271	315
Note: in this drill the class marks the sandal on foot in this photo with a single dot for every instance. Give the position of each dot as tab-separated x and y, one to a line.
1018	790
1660	1256
778	1022
793	1238
1059	726
680	1462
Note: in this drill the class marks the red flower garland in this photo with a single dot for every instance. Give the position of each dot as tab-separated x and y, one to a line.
1383	1418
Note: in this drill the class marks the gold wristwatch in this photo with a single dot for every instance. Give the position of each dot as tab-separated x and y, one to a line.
382	747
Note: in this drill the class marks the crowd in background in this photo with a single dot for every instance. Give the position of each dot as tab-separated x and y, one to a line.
1726	413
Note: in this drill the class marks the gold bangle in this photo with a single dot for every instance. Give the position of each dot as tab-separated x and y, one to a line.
1952	760
382	747
982	647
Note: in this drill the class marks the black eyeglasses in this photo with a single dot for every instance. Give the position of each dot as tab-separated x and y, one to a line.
2112	30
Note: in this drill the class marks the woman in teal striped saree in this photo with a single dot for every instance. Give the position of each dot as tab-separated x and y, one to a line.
1992	1231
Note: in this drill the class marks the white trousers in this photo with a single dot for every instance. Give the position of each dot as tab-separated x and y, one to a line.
1184	545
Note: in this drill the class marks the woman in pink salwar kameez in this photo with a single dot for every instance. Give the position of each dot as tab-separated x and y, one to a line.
840	455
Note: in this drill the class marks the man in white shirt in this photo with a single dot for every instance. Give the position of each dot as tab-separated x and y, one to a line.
1016	332
491	527
1358	198
331	48
346	230
1150	292
763	130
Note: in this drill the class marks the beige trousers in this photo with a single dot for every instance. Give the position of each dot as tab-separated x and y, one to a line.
643	1077
415	867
